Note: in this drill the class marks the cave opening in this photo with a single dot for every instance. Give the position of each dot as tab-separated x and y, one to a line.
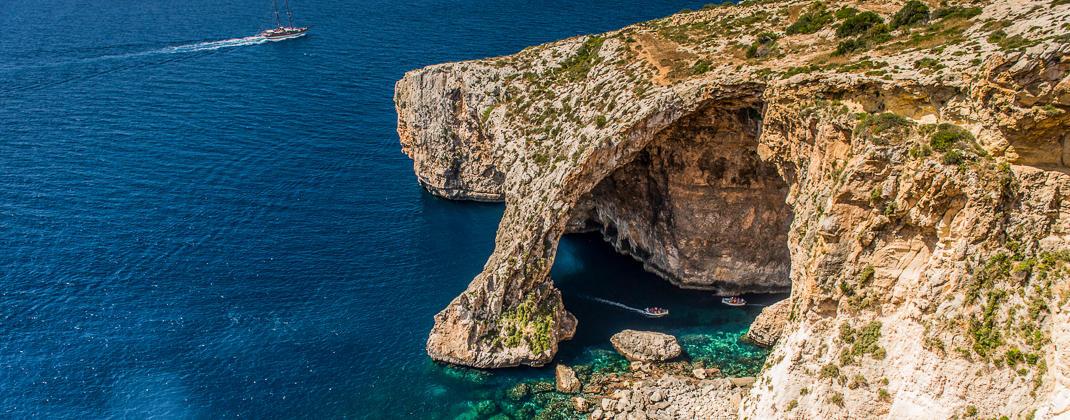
695	215
698	206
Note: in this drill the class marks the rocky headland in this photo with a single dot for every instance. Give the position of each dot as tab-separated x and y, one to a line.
901	167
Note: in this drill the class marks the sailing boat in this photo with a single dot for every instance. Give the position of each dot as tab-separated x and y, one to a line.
280	32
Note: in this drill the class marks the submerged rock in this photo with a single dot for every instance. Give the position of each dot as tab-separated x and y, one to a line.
646	346
565	379
519	391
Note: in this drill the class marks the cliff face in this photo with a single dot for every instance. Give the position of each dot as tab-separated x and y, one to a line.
908	184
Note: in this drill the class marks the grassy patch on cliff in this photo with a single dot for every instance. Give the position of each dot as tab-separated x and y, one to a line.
529	324
881	128
1010	294
812	20
577	66
861	342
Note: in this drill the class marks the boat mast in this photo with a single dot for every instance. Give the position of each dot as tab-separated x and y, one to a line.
289	13
275	5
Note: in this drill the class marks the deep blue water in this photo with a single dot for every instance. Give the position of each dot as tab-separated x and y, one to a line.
196	225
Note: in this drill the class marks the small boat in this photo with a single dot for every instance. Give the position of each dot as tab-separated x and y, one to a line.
734	301
281	32
656	312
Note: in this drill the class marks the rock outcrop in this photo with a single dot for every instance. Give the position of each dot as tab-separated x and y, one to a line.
769	325
646	346
565	380
909	184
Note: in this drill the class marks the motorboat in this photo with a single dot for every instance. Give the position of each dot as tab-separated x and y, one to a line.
734	301
655	312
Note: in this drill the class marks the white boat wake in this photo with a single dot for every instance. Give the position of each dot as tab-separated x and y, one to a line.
205	46
212	45
617	304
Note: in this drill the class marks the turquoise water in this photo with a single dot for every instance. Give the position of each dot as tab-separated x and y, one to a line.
194	224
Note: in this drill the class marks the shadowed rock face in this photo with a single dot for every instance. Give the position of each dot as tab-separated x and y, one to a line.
699	207
918	209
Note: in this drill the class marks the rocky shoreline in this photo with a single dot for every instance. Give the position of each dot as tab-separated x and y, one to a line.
655	385
903	166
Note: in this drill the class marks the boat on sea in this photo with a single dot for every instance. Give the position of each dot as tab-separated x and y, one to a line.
733	301
655	312
282	32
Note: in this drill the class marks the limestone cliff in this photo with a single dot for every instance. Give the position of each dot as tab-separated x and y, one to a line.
904	173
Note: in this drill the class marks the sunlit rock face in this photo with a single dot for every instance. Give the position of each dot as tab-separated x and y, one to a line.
699	207
913	195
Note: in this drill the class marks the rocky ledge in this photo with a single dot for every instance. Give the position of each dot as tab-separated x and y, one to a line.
901	167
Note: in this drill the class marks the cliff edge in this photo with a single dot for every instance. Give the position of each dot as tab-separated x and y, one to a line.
901	167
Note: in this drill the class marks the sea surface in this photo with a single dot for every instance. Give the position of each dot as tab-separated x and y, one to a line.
199	224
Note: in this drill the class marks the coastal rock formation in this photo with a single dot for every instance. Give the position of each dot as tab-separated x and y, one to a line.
565	380
769	325
646	346
907	179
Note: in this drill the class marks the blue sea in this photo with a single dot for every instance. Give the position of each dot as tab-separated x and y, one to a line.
199	224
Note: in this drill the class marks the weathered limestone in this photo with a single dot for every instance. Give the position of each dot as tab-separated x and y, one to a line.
565	379
646	346
913	196
769	325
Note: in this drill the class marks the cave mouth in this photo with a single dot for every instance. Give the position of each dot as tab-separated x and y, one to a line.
589	273
698	206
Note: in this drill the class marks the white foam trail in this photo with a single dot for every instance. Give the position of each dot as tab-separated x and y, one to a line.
212	45
177	49
617	304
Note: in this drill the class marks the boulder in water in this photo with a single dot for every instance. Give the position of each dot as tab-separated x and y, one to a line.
646	346
566	380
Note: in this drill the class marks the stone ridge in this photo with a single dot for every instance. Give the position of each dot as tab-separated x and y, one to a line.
909	185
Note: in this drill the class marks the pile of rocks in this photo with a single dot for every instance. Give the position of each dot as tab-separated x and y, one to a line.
673	397
653	388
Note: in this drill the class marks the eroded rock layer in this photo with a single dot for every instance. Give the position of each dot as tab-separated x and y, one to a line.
908	179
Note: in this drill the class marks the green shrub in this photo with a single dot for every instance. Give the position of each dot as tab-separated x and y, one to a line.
577	66
953	12
928	63
867	275
815	18
836	398
1013	357
876	128
846	12
600	121
984	333
948	136
1009	43
849	46
830	371
955	157
912	13
858	24
700	67
883	395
